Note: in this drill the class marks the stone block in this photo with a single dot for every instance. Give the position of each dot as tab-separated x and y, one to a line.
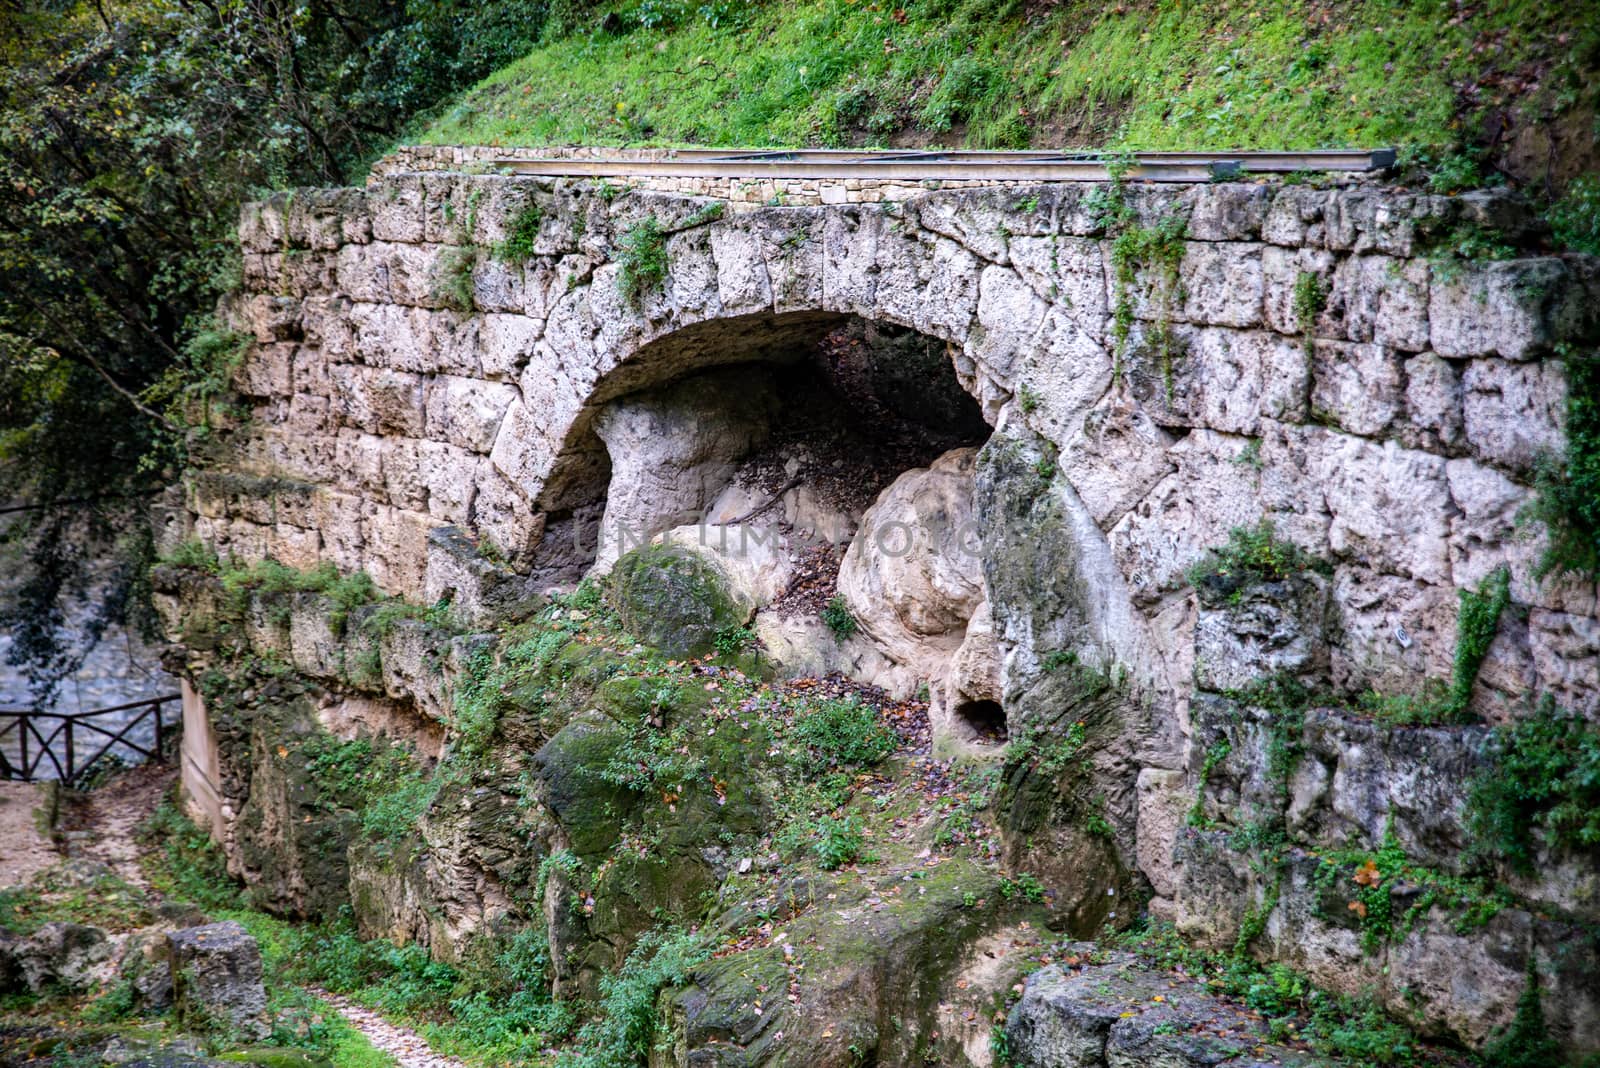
1514	412
466	412
1357	387
1222	283
1515	309
216	975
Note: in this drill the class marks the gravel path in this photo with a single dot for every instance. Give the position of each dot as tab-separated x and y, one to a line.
23	850
408	1048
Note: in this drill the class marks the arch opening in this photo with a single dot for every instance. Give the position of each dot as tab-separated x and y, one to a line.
982	721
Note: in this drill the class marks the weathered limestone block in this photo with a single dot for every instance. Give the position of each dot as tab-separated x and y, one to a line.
396	209
1227	211
396	546
1118	1014
58	954
1222	283
1231	380
1281	269
1068	270
216	970
359	461
1164	803
1390	505
742	283
1356	386
1249	632
1379	299
912	575
1516	309
1396	632
1513	412
321	218
1296	216
1566	656
1009	315
1115	458
272	318
1377	220
379	401
1433	419
1060	374
1187	512
450	476
506	343
673	450
466	412
794	250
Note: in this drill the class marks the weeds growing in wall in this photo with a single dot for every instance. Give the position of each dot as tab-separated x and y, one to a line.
837	617
1252	555
642	258
1567	498
452	284
522	235
1541	786
1310	298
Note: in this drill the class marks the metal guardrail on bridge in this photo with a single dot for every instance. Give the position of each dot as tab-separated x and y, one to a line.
36	749
920	165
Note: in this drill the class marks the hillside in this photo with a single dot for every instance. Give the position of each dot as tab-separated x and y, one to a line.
1507	84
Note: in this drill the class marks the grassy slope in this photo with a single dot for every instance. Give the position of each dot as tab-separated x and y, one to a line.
980	73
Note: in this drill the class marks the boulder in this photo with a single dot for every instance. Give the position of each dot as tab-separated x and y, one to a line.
58	956
674	599
216	977
1252	631
1119	1015
912	576
673	450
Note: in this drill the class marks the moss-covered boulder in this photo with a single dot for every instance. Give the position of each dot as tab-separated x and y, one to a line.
674	600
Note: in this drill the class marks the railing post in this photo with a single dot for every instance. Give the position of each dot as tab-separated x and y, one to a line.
67	777
22	736
157	708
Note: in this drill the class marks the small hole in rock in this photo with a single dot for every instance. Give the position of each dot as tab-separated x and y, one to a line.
985	721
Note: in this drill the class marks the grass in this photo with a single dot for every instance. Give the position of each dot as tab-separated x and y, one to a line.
982	73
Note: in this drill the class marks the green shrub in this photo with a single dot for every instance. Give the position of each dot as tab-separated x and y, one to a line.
1526	1043
625	1034
522	235
1567	500
1544	777
838	841
642	258
453	278
183	863
1310	297
836	616
731	641
1575	218
1252	555
844	734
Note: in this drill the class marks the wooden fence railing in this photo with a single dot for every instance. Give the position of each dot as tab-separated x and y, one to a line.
30	745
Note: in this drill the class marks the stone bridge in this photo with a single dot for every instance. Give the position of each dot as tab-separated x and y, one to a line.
475	386
412	381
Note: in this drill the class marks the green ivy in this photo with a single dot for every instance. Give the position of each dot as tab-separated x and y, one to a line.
1543	779
1567	500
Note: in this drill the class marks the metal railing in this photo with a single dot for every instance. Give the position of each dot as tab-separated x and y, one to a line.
28	748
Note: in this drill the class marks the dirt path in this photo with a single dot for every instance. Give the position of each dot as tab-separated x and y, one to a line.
23	850
103	824
409	1049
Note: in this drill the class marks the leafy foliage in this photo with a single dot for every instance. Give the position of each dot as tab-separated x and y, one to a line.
1526	1043
642	259
837	617
1544	779
1568	497
129	134
838	840
625	1033
1252	555
844	734
1575	217
522	234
